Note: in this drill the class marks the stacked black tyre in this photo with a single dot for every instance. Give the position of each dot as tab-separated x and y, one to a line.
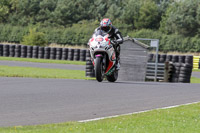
1	49
169	58
89	66
41	52
58	53
29	51
70	54
189	59
23	51
181	72
53	53
65	54
82	55
175	58
76	54
150	57
185	73
6	50
47	53
175	72
17	50
181	66
35	51
162	58
12	51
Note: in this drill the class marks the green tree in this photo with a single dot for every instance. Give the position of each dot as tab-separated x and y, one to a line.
114	12
148	16
131	12
181	18
35	38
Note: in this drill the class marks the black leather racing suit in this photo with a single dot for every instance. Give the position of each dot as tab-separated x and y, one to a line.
116	39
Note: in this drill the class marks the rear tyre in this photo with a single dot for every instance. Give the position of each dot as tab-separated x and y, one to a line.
113	77
99	70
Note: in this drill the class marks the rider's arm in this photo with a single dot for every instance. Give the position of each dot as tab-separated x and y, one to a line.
118	36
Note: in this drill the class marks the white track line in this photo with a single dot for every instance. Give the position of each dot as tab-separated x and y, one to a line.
101	118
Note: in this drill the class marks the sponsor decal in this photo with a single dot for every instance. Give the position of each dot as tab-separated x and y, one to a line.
109	66
99	39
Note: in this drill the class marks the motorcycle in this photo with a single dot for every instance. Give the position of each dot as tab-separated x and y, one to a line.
103	56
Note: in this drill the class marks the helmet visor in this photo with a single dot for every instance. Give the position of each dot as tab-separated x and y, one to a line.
105	28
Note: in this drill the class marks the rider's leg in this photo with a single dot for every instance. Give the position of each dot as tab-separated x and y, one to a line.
118	57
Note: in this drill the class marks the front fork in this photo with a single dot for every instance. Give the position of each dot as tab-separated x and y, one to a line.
103	59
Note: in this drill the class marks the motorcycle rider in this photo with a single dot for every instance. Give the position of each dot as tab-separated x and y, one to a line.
114	35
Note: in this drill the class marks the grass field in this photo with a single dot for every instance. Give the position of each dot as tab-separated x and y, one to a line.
183	119
196	70
8	71
195	80
43	60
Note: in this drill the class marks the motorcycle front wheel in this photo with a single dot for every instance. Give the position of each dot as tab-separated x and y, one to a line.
99	70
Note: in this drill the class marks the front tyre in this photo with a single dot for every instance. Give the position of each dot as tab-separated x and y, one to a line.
99	70
113	77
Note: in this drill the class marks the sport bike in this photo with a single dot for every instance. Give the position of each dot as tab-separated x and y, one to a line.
103	57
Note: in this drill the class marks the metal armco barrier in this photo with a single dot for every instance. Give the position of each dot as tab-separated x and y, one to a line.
164	72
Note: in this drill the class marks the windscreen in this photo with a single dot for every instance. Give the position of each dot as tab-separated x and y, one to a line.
100	32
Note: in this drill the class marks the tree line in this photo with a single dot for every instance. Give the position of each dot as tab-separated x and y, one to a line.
72	22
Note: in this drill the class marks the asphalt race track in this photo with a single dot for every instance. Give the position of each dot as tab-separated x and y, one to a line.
27	101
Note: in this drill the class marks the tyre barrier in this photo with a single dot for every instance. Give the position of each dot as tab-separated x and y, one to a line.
42	52
29	51
47	53
35	52
6	50
189	59
162	58
18	51
70	54
1	49
196	62
89	70
58	53
181	73
65	54
12	51
23	51
82	55
53	53
171	58
76	54
180	67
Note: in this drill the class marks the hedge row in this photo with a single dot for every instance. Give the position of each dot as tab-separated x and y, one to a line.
79	34
42	52
171	42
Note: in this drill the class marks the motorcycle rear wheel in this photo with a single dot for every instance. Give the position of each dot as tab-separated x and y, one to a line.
99	70
113	77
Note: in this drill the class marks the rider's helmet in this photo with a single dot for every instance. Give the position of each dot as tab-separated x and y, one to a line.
106	25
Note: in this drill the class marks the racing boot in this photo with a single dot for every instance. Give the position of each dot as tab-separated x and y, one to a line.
118	64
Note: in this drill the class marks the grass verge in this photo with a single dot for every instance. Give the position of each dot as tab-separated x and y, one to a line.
8	71
43	60
195	80
196	70
183	119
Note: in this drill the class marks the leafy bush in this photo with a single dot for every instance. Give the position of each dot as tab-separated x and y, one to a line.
171	42
35	38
